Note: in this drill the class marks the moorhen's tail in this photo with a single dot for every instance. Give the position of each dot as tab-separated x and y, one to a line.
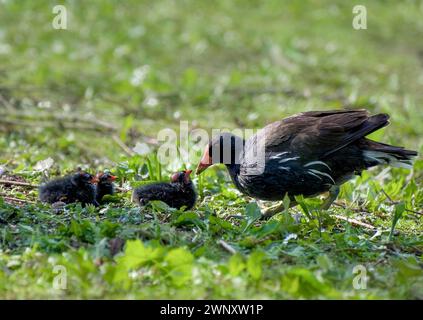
380	153
376	122
355	124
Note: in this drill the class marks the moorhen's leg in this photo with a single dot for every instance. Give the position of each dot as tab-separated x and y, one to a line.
333	194
270	212
262	204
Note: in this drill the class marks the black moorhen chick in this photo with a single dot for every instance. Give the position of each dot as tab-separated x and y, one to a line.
78	187
306	154
176	194
105	185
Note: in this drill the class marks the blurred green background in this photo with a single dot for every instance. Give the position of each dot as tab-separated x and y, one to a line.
141	66
124	70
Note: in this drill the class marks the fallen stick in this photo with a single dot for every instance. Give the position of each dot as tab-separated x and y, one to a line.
123	190
19	183
58	118
227	247
388	197
123	146
345	207
354	222
50	125
412	211
16	199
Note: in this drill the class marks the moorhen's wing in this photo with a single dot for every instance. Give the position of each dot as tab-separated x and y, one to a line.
318	134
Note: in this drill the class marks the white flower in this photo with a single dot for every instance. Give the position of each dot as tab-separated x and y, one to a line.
43	165
141	148
139	75
289	237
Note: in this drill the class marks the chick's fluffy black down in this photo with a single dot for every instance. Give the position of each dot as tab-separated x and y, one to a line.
69	189
104	188
175	195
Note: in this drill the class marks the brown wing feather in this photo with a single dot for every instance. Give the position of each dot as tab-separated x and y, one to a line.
318	134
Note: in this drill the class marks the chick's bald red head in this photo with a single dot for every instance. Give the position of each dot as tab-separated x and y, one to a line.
105	177
181	176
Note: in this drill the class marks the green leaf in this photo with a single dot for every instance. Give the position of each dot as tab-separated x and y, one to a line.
236	265
136	254
179	264
159	206
300	200
253	213
286	202
324	262
189	218
254	264
301	282
397	214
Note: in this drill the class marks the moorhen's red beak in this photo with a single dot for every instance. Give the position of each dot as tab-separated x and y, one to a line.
205	162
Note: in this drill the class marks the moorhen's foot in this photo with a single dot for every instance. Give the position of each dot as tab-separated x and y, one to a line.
270	212
333	194
58	206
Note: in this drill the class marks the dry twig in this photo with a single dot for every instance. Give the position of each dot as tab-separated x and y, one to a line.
227	246
354	222
19	183
123	146
6	197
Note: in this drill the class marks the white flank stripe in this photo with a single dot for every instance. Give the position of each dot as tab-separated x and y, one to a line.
288	159
375	159
317	162
278	155
323	174
285	168
382	157
314	175
402	164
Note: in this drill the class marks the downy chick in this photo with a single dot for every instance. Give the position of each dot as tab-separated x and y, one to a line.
78	187
178	193
105	185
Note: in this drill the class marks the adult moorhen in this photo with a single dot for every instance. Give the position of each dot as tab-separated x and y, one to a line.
306	154
178	193
105	185
78	187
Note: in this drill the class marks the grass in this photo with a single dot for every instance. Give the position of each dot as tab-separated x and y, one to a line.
130	70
